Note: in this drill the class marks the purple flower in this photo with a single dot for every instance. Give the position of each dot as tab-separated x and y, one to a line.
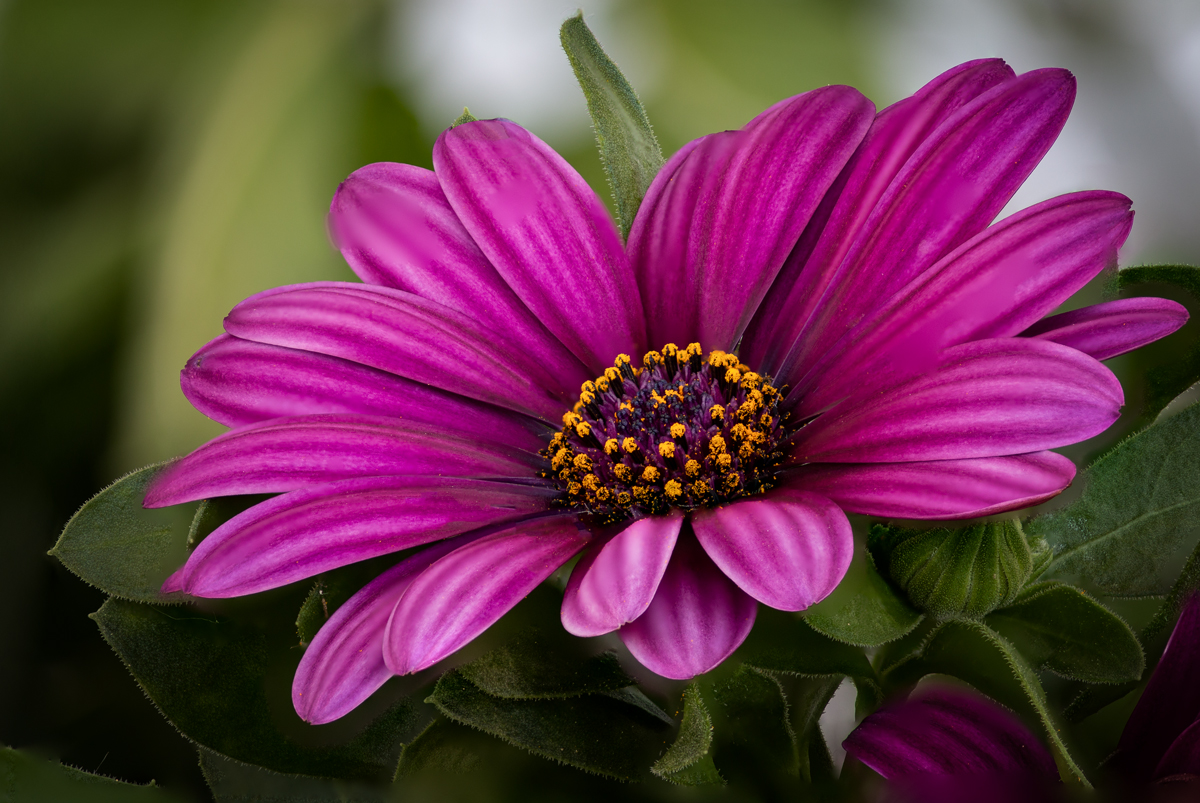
491	390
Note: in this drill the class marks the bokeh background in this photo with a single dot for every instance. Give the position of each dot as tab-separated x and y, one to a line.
161	160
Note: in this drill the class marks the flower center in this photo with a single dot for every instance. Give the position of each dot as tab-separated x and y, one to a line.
682	431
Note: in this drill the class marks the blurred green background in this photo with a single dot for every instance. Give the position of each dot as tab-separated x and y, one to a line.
160	161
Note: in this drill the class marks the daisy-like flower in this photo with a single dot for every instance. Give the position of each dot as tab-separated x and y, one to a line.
811	316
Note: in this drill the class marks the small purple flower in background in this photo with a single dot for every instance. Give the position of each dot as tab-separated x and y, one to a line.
937	745
811	316
948	745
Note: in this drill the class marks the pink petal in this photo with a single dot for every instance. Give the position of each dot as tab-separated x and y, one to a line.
239	382
709	239
939	489
994	285
984	399
788	549
344	665
322	527
548	235
464	593
697	619
896	133
1115	327
414	338
285	454
615	580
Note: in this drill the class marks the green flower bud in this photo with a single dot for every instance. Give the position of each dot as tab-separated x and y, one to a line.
956	573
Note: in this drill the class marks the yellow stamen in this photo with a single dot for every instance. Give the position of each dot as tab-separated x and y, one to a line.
666	449
673	489
691	468
716	445
651	474
629	445
677	430
611	447
583	462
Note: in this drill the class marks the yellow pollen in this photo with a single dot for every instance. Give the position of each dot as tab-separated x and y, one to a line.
716	412
583	429
691	468
673	489
641	493
583	462
650	474
746	451
677	430
588	387
693	350
603	494
571	419
611	447
716	445
766	420
602	384
733	376
629	445
586	398
666	449
739	431
732	481
623	499
611	374
751	380
758	438
700	487
573	488
591	481
651	359
724	461
622	359
560	457
565	474
670	350
577	406
623	473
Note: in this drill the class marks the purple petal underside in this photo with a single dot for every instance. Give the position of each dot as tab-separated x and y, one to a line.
788	549
984	399
315	529
548	235
939	489
1107	330
615	580
239	382
415	338
994	285
956	182
948	732
1168	707
344	665
285	454
395	228
710	237
894	135
697	618
464	593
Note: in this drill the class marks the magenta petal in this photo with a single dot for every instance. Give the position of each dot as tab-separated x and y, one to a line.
239	382
548	235
950	733
995	285
788	549
464	593
288	453
344	665
412	337
697	619
895	134
939	489
948	191
709	240
984	399
315	529
615	580
395	227
1114	327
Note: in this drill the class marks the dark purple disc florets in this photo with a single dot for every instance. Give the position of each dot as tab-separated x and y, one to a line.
681	431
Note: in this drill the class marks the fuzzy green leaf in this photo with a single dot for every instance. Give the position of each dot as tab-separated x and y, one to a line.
30	779
956	571
628	147
973	652
525	669
1138	513
864	610
1058	627
443	747
123	549
594	733
1171	366
234	782
208	677
688	761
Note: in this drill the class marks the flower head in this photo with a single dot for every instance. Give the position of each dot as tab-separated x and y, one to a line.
811	316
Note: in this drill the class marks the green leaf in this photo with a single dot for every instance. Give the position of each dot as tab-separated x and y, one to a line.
525	669
628	148
688	761
120	547
29	779
234	782
208	677
594	733
1058	627
973	652
956	571
864	610
465	117
1173	366
443	747
1138	512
